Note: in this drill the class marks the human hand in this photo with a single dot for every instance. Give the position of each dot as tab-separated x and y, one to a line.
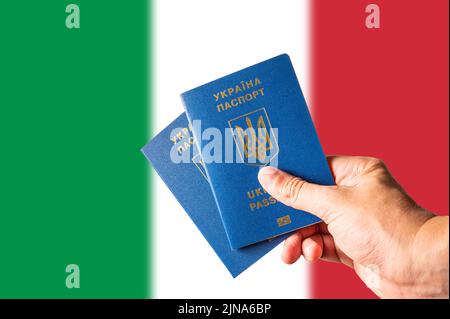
370	224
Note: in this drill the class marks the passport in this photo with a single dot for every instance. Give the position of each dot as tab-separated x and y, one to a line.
189	185
244	121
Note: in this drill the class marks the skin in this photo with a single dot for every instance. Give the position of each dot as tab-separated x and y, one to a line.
398	249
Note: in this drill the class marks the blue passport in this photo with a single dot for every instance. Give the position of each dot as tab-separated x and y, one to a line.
189	185
248	119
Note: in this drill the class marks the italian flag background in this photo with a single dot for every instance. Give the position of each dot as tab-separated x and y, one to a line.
76	106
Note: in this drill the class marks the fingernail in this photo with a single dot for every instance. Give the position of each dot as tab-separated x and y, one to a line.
265	176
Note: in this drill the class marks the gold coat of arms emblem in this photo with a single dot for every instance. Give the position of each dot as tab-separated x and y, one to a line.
254	137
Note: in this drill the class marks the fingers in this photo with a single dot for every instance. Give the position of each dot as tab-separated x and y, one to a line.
313	246
293	244
292	249
332	253
297	193
322	246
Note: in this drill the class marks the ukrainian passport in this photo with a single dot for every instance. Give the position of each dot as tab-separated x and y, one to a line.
189	184
242	122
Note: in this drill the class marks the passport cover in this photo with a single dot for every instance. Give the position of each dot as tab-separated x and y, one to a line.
266	98
189	185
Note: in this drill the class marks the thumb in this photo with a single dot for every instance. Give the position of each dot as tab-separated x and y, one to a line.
293	191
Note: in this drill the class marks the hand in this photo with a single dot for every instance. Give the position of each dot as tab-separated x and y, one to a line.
370	224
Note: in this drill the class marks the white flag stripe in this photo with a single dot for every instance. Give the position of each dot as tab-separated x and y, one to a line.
195	42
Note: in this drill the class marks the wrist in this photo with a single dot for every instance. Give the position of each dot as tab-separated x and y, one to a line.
418	266
429	256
